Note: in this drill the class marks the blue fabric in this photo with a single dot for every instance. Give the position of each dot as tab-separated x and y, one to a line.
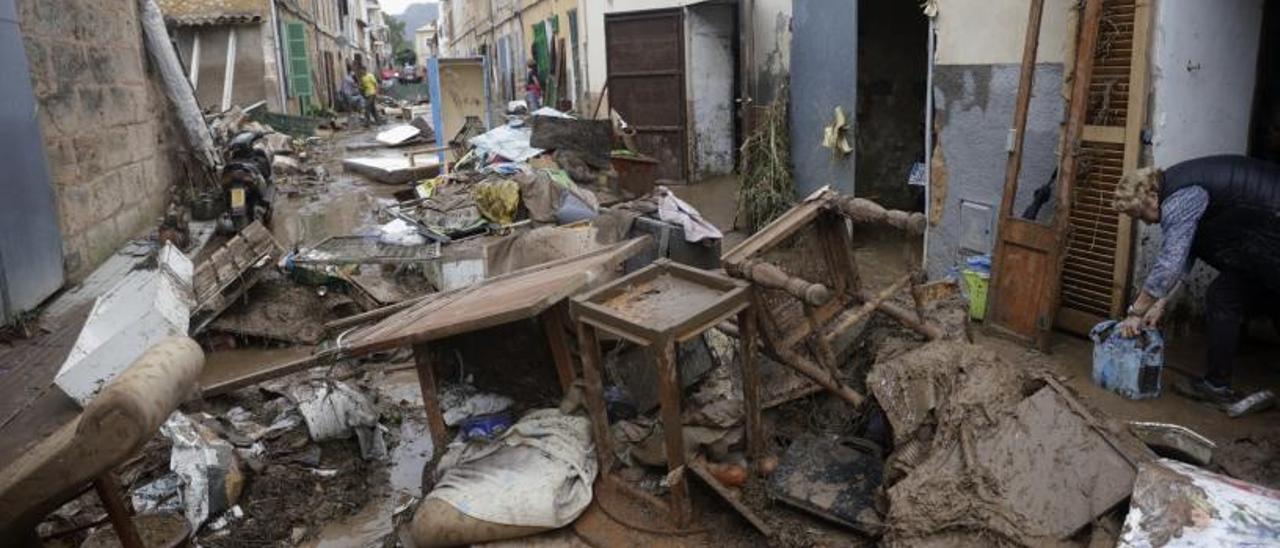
1179	215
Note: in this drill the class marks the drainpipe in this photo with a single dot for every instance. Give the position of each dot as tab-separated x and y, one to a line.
928	143
280	64
583	21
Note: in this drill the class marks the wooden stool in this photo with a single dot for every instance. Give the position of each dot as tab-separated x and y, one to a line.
661	306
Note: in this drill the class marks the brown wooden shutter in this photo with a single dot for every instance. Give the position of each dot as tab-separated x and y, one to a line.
1095	274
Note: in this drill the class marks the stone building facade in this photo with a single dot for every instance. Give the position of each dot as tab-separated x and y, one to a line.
109	135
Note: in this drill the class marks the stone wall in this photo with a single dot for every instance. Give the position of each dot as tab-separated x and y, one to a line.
108	130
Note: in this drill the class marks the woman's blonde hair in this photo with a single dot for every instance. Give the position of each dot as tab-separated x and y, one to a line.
1134	188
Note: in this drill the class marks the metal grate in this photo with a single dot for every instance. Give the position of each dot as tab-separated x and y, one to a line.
339	250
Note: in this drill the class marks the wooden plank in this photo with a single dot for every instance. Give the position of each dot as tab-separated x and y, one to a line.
491	302
1026	77
238	251
266	373
780	229
1105	134
221	262
699	469
1028	234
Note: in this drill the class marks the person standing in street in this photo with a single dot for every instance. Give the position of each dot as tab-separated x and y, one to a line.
369	90
350	92
533	87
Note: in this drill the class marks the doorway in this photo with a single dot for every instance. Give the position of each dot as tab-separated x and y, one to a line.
1264	139
892	67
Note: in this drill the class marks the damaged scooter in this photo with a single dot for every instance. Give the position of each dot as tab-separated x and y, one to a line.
247	188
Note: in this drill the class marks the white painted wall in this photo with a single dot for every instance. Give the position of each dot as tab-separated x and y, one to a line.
709	30
991	32
1204	68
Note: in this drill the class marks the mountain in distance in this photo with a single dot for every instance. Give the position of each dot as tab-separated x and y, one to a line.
416	15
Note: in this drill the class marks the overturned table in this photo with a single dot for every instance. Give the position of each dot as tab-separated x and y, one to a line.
539	291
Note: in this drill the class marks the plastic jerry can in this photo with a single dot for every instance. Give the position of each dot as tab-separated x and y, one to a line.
1127	366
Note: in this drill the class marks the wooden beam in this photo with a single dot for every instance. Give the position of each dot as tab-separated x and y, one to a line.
1070	165
1103	134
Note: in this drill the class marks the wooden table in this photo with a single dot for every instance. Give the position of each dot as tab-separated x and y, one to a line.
540	291
661	306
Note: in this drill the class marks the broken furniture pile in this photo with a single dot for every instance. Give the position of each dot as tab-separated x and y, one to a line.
816	408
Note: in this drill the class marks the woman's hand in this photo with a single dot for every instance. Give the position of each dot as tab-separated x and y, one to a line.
1131	326
1134	323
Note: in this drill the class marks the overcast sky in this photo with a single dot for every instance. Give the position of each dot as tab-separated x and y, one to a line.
396	7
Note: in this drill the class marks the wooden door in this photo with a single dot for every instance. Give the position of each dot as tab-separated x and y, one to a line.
1095	272
645	55
1028	259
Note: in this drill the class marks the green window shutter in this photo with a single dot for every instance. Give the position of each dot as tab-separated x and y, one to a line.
299	64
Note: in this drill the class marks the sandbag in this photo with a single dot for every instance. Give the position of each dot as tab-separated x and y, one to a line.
436	523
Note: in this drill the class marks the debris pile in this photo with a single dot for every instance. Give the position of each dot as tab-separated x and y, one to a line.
417	375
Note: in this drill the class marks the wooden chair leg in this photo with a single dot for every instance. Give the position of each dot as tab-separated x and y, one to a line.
593	388
750	383
673	430
112	496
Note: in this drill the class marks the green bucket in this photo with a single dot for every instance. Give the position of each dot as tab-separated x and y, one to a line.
975	284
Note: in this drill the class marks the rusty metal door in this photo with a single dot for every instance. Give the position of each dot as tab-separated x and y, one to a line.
645	55
30	239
